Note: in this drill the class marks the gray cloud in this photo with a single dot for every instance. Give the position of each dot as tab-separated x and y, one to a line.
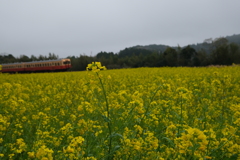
83	27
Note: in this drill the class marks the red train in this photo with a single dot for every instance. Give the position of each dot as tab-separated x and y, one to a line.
37	66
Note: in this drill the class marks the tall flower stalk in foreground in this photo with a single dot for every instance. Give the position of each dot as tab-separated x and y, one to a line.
96	67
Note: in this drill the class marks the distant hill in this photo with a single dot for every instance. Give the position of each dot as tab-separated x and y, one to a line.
205	45
153	47
234	38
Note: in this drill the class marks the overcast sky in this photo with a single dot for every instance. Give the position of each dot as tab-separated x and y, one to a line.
74	27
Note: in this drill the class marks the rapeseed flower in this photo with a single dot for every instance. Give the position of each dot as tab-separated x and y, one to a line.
95	66
143	113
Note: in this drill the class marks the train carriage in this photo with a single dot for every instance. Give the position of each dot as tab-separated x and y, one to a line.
37	66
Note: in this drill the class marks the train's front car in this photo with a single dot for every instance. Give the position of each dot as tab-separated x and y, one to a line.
66	63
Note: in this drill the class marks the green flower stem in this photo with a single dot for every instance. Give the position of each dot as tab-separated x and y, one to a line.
108	114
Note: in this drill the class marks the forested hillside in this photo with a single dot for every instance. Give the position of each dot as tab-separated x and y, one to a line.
205	45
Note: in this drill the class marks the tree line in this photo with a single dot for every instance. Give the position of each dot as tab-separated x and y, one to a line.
9	58
220	52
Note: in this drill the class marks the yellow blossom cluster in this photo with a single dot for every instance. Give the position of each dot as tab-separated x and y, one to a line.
144	113
95	66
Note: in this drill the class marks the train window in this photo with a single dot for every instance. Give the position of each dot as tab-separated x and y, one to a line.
66	62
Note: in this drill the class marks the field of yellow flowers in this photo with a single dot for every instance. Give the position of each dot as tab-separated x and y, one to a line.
144	113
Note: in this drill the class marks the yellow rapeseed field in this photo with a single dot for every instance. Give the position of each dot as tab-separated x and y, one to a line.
145	113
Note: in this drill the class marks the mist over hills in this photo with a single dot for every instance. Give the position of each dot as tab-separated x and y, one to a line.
206	44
